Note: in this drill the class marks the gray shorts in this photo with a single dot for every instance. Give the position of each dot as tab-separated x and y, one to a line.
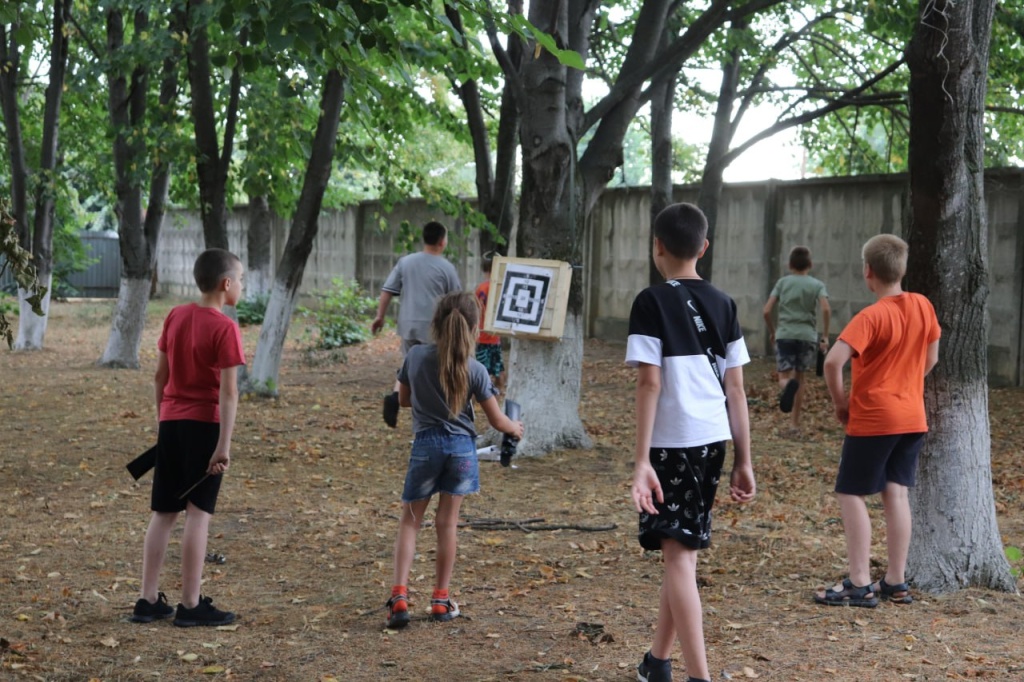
791	354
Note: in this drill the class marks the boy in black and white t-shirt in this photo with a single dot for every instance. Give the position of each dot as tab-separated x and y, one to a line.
685	340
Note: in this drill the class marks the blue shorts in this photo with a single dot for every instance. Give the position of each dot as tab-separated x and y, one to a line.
441	462
792	354
868	463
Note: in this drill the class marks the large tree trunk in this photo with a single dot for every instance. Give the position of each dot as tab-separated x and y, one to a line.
32	328
10	57
263	378
956	541
137	235
258	280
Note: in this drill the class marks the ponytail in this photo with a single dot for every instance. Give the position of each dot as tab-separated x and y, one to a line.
454	331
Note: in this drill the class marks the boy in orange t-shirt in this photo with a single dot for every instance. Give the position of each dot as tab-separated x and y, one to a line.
893	344
488	346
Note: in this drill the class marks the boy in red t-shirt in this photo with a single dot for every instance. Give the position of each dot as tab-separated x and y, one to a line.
196	398
893	344
488	346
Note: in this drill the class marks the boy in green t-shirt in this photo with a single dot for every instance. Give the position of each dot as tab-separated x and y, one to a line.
796	340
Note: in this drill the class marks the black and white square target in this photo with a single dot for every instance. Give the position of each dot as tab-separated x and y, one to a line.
523	295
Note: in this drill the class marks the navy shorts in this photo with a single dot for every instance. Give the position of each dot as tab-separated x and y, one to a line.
869	462
184	448
689	482
791	354
441	462
489	355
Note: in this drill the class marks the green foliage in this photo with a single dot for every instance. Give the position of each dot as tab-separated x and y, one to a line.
341	315
19	262
252	309
1016	558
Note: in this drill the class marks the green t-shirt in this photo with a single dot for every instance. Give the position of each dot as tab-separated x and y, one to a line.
798	304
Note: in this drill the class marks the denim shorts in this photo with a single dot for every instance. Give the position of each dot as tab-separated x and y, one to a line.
441	462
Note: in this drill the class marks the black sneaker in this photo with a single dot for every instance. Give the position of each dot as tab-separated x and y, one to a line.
391	409
788	395
653	669
146	611
205	613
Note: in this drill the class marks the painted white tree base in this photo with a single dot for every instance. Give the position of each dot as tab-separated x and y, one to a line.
126	328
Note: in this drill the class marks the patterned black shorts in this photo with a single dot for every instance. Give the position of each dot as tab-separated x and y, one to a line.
489	355
689	482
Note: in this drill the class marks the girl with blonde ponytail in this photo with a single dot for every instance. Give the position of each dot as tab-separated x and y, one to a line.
437	381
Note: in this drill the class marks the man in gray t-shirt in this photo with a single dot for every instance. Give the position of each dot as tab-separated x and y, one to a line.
420	279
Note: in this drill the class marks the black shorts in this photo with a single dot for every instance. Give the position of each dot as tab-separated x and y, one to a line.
184	448
689	482
869	462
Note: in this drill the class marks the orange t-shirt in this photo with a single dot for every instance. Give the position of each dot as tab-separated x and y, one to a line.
890	340
485	339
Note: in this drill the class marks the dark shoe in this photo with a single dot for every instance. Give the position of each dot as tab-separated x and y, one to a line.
788	395
897	594
850	595
146	611
653	669
398	619
443	610
205	613
391	409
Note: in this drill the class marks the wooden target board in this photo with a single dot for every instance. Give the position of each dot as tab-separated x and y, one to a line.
528	298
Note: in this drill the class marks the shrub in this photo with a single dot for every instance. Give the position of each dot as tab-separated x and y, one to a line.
252	309
341	315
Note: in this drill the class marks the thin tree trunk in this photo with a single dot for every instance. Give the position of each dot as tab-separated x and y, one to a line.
137	234
662	102
10	57
264	375
956	541
710	193
258	280
32	328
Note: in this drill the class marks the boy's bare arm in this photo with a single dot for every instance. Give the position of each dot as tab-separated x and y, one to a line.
163	373
646	487
834	363
382	309
742	487
404	395
932	358
221	459
826	318
769	323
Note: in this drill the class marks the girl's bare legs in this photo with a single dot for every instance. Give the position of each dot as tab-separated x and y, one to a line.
193	554
405	544
158	534
681	596
446	521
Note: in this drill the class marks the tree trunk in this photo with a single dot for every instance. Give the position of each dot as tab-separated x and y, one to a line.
31	327
138	231
663	96
956	541
258	280
710	193
10	60
263	377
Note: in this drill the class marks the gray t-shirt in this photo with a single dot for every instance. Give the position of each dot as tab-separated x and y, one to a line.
798	304
429	406
420	279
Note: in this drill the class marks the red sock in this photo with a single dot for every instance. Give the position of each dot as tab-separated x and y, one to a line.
439	595
399	605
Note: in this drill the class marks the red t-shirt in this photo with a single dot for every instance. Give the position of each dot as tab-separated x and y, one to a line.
890	339
199	343
484	339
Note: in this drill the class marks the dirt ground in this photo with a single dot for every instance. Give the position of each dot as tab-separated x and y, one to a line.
308	514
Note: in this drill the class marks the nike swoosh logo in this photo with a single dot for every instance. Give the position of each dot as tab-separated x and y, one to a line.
692	307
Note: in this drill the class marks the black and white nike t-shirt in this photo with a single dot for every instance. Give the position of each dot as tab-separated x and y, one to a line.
663	332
